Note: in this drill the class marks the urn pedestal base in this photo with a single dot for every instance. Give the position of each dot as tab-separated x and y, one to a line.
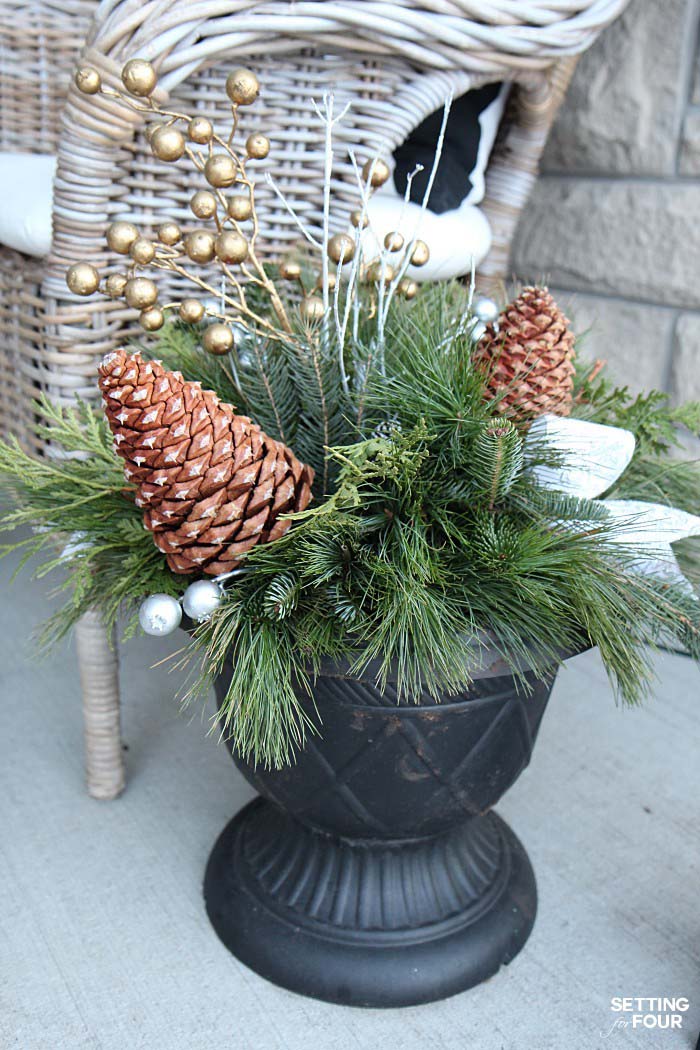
369	922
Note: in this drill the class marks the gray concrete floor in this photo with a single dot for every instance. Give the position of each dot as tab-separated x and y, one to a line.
103	936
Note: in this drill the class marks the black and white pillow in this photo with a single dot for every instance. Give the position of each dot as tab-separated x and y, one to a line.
456	230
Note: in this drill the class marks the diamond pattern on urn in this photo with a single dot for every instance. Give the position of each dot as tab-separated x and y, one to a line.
213	484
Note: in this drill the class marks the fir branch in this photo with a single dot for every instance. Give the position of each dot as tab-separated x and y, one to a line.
498	459
282	596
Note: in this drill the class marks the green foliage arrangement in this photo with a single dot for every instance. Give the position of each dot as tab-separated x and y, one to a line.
427	532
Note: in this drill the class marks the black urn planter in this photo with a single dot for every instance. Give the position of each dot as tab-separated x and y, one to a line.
372	872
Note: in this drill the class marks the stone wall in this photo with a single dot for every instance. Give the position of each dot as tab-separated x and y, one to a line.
614	223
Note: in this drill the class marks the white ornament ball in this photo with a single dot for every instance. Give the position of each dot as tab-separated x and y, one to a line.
160	615
201	599
486	310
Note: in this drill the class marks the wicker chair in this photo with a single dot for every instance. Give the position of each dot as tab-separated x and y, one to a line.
40	42
394	61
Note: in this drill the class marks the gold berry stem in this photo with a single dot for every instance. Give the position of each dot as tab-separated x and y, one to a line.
263	279
196	157
234	123
188	275
271	290
232	154
171	257
268	284
243	305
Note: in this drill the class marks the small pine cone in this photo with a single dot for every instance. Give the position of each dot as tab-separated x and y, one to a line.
213	485
527	357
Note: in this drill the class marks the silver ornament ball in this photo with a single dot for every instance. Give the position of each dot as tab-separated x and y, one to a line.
486	310
160	615
201	599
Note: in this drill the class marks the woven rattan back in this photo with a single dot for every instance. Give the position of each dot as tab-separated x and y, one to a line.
39	45
395	62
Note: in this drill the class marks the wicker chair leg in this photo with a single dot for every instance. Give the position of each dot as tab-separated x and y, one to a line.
99	677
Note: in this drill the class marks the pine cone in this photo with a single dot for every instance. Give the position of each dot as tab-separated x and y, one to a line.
213	484
527	357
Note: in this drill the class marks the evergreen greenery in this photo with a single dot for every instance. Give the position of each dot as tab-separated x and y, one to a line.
426	536
660	471
83	520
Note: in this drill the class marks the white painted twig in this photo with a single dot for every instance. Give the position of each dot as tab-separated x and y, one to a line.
287	206
351	298
406	260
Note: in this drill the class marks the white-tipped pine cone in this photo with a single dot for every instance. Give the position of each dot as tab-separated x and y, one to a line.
528	357
211	483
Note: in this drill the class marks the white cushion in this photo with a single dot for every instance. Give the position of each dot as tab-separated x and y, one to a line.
455	238
489	121
461	236
26	199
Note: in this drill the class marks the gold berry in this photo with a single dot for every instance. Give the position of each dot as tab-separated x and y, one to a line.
120	236
191	311
200	130
407	288
218	339
290	270
219	170
240	207
376	273
311	309
331	282
151	320
169	233
167	143
341	248
140	292
230	247
377	171
203	204
393	242
115	285
83	279
257	146
139	77
199	246
88	80
242	87
420	253
142	251
358	219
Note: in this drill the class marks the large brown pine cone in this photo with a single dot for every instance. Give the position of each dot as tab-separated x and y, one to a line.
213	484
527	357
